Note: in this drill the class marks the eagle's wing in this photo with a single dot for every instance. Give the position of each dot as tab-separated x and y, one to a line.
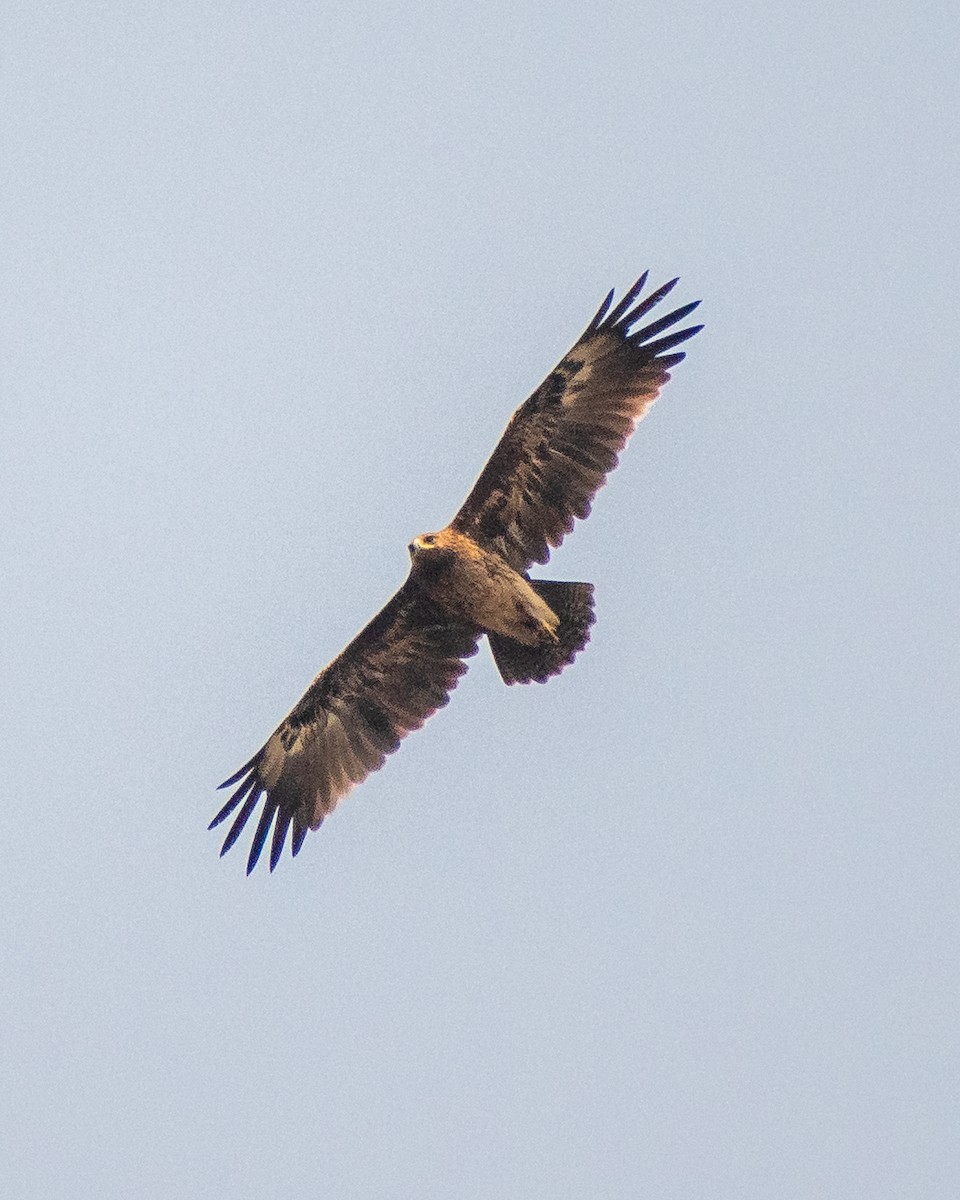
563	441
394	674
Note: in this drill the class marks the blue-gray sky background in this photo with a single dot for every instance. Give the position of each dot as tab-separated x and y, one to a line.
686	921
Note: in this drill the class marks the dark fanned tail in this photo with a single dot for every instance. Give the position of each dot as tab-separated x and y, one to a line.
573	604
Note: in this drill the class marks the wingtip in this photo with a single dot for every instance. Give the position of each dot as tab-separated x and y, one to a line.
254	856
296	841
626	300
241	818
279	836
627	316
238	774
634	290
601	312
643	337
655	349
264	826
243	790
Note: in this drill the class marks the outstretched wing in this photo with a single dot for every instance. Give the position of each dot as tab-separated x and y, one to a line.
394	674
562	443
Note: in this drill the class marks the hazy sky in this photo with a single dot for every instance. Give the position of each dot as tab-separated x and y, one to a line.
683	923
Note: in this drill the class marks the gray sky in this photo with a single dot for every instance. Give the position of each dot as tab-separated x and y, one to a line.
685	921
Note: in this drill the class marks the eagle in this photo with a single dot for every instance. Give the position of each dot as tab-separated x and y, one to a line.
470	579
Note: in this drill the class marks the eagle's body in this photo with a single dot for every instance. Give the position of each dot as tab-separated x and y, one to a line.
469	580
476	585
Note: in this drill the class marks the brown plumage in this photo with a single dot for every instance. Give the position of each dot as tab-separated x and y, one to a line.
470	579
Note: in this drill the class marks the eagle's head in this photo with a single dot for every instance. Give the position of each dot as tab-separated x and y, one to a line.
425	543
443	547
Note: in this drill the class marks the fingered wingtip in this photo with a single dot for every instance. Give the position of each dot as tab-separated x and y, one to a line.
601	311
238	774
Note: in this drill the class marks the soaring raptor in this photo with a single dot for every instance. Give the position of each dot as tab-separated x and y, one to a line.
470	579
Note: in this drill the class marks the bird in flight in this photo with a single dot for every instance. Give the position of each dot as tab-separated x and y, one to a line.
470	579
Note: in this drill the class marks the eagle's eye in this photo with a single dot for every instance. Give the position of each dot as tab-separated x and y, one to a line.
428	539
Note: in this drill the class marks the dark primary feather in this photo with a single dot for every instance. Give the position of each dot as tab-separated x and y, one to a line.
566	438
394	674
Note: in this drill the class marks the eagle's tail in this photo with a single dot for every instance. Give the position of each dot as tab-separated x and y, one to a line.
573	604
